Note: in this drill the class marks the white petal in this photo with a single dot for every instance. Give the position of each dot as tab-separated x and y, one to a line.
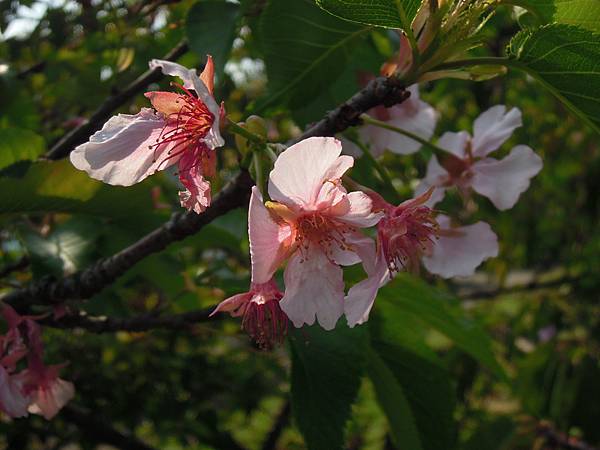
459	252
359	214
120	152
267	240
493	127
437	177
301	171
505	180
455	143
314	288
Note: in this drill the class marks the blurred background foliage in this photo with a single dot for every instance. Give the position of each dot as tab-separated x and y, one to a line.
207	387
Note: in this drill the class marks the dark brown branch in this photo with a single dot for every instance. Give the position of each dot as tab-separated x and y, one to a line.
82	133
379	91
559	440
92	280
21	264
144	322
100	430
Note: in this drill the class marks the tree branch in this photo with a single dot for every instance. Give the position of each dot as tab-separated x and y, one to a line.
92	280
380	91
82	133
144	322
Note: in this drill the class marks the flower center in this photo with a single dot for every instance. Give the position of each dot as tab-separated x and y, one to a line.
406	235
323	231
186	126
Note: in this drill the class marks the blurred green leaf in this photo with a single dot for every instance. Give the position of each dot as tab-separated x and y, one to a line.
565	59
583	13
211	28
17	144
66	249
59	187
394	403
381	13
305	50
410	295
419	374
326	370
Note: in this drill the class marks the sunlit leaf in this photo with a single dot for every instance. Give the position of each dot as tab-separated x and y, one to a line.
583	13
566	60
382	13
17	144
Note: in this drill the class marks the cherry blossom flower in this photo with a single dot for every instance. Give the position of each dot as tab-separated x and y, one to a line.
36	389
262	317
467	165
182	129
413	115
313	222
412	234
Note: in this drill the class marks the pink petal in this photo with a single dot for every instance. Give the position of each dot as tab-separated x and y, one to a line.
49	400
119	153
437	177
196	197
301	171
269	240
459	251
314	288
233	304
505	180
455	143
191	81
361	296
12	400
360	213
493	127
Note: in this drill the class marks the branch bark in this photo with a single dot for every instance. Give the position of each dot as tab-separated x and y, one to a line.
82	133
144	322
380	91
92	280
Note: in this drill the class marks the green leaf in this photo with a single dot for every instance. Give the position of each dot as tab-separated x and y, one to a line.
410	295
211	27
393	401
583	13
326	371
17	144
566	60
415	370
305	51
66	249
381	13
59	187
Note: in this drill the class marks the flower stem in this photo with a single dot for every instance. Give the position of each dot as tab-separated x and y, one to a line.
378	123
237	129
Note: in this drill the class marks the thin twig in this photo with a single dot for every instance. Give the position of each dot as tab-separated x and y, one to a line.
144	322
82	133
531	286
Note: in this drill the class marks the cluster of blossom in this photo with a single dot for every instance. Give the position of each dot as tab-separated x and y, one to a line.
36	389
310	222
